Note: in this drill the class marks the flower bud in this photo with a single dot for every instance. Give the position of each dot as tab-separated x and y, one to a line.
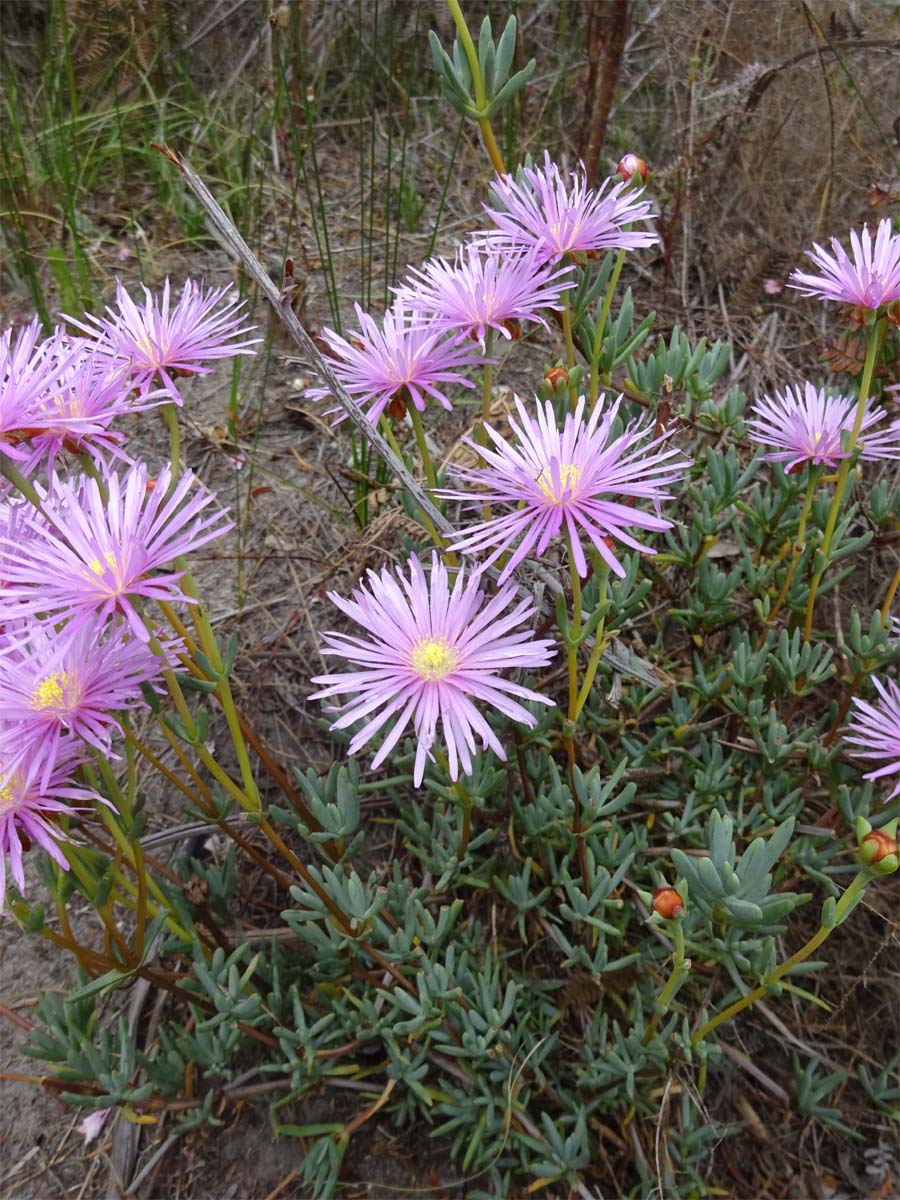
879	850
667	903
557	377
631	164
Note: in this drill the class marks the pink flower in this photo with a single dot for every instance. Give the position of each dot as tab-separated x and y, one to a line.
75	680
543	215
871	279
156	341
427	652
484	290
30	369
101	554
404	356
76	413
35	785
571	482
875	730
808	426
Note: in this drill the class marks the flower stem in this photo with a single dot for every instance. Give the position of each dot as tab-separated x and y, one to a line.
448	555
601	326
889	598
602	573
210	648
681	968
572	638
570	349
170	416
847	901
799	545
422	442
23	485
875	333
484	123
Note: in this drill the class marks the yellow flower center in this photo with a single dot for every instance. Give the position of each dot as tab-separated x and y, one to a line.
143	344
95	566
569	475
51	692
818	436
7	799
434	658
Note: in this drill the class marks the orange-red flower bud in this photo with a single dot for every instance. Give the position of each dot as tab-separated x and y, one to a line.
667	903
876	846
629	165
556	377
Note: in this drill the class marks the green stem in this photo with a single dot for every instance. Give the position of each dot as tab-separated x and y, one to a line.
601	326
210	648
448	555
889	598
846	902
170	416
874	336
28	490
484	123
602	573
799	545
570	349
572	637
419	430
681	967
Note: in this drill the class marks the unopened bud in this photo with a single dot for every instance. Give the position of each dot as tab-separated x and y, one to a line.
878	849
631	164
667	903
557	377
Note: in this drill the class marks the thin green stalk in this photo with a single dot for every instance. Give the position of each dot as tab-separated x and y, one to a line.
416	417
170	416
487	389
210	648
570	348
601	326
799	545
572	637
449	557
484	123
28	490
602	573
889	598
875	333
846	902
681	967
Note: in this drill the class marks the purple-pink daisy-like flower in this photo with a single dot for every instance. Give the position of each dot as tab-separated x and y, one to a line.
76	680
483	289
98	553
30	368
875	730
807	426
36	789
155	341
869	280
544	215
405	355
572	481
77	412
428	652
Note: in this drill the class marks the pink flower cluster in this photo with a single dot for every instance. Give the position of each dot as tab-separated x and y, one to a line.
516	272
83	555
430	648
